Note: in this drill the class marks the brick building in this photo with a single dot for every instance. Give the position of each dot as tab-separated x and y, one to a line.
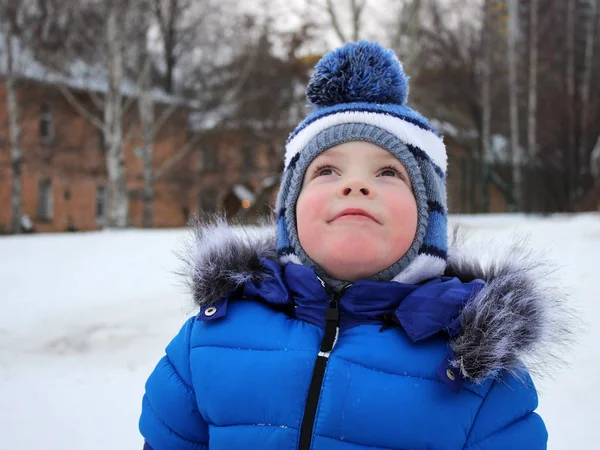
64	170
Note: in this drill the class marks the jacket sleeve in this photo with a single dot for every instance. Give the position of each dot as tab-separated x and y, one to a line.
170	418
506	419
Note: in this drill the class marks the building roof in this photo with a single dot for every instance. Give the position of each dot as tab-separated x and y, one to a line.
77	74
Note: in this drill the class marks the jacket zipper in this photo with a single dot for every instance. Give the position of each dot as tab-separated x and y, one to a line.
332	320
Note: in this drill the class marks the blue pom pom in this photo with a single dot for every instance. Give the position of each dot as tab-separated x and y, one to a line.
358	72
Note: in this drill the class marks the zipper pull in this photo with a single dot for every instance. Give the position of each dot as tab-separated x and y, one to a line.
333	310
332	317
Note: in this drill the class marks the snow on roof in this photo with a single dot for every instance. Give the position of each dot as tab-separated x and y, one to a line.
243	193
499	144
77	75
207	120
270	181
200	121
500	151
445	128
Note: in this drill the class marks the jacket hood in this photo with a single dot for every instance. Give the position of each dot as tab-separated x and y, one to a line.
518	318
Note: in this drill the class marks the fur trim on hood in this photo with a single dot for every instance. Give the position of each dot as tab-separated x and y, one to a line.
516	319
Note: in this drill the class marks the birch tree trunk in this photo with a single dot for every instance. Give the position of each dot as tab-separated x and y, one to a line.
570	156
16	153
513	10
486	104
532	101
118	204
146	111
533	76
585	88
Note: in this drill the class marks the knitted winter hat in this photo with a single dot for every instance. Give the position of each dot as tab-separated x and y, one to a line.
359	92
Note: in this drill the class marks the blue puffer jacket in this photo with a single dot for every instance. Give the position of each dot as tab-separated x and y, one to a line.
275	361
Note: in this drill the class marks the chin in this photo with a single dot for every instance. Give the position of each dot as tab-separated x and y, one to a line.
363	249
352	273
353	262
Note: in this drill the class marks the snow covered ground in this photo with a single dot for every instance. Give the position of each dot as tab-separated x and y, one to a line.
84	318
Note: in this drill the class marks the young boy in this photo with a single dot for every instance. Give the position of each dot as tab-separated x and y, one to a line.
351	328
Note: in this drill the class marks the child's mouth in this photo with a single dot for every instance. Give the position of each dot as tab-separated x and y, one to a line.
355	214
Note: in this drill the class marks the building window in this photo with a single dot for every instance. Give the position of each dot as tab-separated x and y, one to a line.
248	155
208	159
208	200
101	141
46	124
200	161
45	204
100	204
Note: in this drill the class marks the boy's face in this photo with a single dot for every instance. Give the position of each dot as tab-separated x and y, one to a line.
356	214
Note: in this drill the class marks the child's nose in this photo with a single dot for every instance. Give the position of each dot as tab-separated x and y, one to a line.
356	187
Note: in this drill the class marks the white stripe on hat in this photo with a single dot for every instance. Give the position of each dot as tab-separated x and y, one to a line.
408	133
423	267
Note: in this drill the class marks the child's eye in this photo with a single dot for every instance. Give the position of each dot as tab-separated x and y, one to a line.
324	171
391	172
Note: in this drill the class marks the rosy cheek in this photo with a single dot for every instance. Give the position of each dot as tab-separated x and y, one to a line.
310	215
310	205
403	212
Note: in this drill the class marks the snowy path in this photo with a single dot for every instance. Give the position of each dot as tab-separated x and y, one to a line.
85	318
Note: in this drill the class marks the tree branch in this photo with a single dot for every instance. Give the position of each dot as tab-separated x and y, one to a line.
129	135
162	120
179	155
98	101
80	108
159	16
357	10
335	22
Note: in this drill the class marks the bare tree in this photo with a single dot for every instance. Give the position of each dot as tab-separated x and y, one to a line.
146	113
406	21
570	82
586	85
118	200
101	34
236	93
174	20
513	91
533	88
486	101
144	69
166	13
404	31
218	81
595	163
15	21
8	34
355	9
454	57
96	36
184	27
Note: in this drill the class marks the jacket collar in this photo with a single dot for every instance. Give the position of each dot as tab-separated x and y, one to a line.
516	316
422	310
